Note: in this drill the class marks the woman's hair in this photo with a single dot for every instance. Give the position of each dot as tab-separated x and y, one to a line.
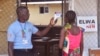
70	17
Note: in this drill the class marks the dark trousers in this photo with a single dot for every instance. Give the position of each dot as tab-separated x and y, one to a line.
23	52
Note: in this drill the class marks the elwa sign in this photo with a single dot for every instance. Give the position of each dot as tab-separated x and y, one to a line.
89	23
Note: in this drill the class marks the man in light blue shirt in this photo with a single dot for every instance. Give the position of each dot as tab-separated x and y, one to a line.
19	33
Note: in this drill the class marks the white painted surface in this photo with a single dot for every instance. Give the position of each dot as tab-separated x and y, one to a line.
90	41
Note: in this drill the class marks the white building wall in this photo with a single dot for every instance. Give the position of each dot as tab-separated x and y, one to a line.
87	8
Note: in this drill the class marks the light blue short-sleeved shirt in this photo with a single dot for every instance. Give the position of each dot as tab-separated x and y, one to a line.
14	34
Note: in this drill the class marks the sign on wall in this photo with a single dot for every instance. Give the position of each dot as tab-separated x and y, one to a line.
89	23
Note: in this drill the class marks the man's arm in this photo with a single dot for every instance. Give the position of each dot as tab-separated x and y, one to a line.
10	48
45	31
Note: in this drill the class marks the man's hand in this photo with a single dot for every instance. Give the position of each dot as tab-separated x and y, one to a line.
52	22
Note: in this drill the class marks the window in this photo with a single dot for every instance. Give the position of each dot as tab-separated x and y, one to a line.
44	9
41	10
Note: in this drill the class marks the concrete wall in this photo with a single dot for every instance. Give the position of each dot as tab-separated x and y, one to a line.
43	19
87	8
7	15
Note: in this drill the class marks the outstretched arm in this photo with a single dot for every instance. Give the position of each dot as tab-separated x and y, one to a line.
45	31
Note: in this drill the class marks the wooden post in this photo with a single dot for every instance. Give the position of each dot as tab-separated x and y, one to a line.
64	9
18	3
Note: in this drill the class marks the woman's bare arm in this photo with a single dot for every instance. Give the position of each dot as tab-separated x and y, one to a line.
62	36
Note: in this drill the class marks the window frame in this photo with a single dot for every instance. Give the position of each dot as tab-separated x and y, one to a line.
43	9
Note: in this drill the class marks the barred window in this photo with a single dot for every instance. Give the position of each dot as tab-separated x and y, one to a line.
44	9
